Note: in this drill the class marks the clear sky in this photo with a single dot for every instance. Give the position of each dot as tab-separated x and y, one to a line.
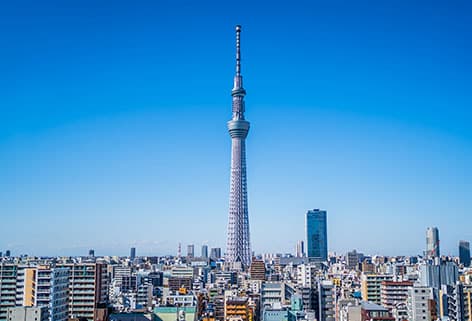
113	123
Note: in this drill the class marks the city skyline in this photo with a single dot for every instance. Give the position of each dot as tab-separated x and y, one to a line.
115	120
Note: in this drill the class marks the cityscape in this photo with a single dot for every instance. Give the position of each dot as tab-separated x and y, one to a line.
234	280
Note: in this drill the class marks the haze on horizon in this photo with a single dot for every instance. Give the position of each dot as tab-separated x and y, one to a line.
113	128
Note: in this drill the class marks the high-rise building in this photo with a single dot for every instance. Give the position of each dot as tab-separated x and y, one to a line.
394	296
436	275
452	302
353	259
238	247
432	242
7	253
316	234
132	254
215	253
205	251
257	270
306	275
88	288
464	253
51	290
326	305
9	276
421	304
300	250
190	251
91	252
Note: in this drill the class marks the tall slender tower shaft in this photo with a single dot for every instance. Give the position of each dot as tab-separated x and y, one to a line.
238	247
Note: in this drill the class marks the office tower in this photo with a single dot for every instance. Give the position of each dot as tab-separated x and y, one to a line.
132	254
7	253
371	285
316	234
257	270
190	251
464	253
92	252
421	305
238	247
300	249
432	242
205	251
215	253
27	314
88	288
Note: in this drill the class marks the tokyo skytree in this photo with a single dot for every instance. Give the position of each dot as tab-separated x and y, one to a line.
238	247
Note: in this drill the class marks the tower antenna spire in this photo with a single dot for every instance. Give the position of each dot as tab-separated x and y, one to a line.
238	50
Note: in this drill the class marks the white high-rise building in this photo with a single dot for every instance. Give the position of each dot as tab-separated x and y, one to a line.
432	242
300	250
420	304
51	291
306	275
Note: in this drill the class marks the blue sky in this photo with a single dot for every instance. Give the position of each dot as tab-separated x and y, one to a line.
113	128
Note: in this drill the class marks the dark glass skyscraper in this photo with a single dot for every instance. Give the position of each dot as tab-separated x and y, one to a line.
316	234
464	253
205	251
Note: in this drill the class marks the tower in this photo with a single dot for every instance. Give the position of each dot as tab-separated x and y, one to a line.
205	251
432	242
238	248
464	253
316	234
300	250
190	251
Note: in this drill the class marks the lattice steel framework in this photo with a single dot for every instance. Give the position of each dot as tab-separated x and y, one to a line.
238	247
